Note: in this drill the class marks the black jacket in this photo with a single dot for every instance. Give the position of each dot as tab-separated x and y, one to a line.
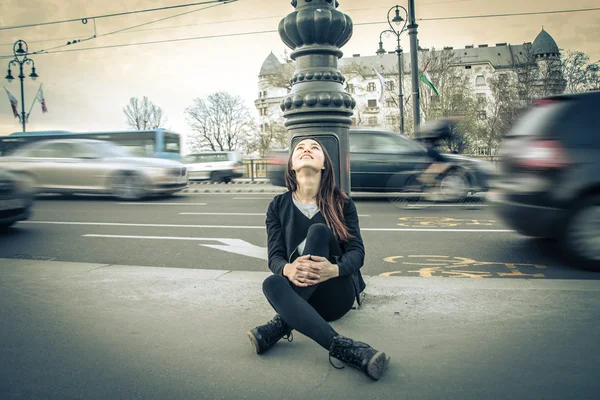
285	232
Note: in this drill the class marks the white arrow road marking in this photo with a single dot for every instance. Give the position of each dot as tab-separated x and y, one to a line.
240	246
237	246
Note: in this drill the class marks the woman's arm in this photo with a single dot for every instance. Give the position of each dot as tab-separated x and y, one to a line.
275	240
354	250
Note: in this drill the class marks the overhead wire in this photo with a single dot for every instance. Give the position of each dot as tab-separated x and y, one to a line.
114	14
136	26
275	30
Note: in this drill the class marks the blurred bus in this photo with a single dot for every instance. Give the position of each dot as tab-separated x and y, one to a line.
157	143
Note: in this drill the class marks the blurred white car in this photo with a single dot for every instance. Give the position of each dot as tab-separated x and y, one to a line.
94	166
217	166
16	199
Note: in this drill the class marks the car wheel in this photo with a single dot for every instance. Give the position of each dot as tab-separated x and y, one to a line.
226	179
128	186
581	240
454	186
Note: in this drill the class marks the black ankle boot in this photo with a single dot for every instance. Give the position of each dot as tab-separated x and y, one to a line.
265	336
358	355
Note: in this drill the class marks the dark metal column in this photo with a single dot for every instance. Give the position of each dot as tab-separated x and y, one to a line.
414	61
400	89
317	106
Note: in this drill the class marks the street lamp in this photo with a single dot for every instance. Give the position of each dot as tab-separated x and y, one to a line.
20	50
401	23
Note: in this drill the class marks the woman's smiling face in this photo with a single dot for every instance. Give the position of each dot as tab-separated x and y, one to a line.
308	153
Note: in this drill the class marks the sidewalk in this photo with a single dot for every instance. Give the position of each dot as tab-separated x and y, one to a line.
92	331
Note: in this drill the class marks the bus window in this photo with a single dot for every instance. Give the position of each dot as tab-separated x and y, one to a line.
171	143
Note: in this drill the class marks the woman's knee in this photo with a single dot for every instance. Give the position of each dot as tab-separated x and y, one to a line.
319	230
273	284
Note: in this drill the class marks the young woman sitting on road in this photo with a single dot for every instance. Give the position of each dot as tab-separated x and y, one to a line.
315	251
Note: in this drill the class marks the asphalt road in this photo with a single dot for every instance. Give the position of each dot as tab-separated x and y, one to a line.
226	231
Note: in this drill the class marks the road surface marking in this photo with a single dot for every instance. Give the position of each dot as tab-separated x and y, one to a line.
442	222
207	213
431	266
237	246
163	204
260	227
252	198
143	225
258	214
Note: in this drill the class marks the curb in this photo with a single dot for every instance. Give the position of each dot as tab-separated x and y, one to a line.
375	283
256	186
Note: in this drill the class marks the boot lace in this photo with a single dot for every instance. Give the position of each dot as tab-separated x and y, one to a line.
277	326
348	351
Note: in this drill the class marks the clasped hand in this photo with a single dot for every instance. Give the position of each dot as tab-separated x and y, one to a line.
309	270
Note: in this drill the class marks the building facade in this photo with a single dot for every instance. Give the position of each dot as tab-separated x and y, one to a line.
479	64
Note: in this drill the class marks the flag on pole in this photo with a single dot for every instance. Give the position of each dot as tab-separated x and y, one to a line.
382	96
13	103
40	97
427	79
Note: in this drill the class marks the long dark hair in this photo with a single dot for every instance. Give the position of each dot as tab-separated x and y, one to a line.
330	198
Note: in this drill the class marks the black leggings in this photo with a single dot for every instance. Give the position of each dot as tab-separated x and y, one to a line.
307	309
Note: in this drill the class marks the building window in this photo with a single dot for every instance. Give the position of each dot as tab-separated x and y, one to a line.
481	114
480	80
391	120
390	103
371	87
265	94
372	121
350	88
481	98
467	66
389	85
259	95
372	103
353	121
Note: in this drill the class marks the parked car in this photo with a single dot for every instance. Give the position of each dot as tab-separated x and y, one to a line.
549	180
217	166
384	161
16	199
94	166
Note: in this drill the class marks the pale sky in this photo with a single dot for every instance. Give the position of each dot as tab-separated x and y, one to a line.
87	90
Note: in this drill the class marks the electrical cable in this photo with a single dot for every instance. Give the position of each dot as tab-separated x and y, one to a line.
113	15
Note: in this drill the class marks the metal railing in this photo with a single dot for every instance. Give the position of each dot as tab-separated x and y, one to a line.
255	168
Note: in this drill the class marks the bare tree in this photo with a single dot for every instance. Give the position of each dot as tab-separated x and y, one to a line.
144	115
502	109
272	135
455	99
221	122
580	74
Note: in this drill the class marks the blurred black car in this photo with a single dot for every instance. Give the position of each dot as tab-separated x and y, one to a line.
384	161
16	199
549	180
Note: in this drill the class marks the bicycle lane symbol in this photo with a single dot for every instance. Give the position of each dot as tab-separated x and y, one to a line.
434	266
442	222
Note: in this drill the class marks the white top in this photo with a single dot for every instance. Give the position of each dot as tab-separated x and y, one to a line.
310	210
